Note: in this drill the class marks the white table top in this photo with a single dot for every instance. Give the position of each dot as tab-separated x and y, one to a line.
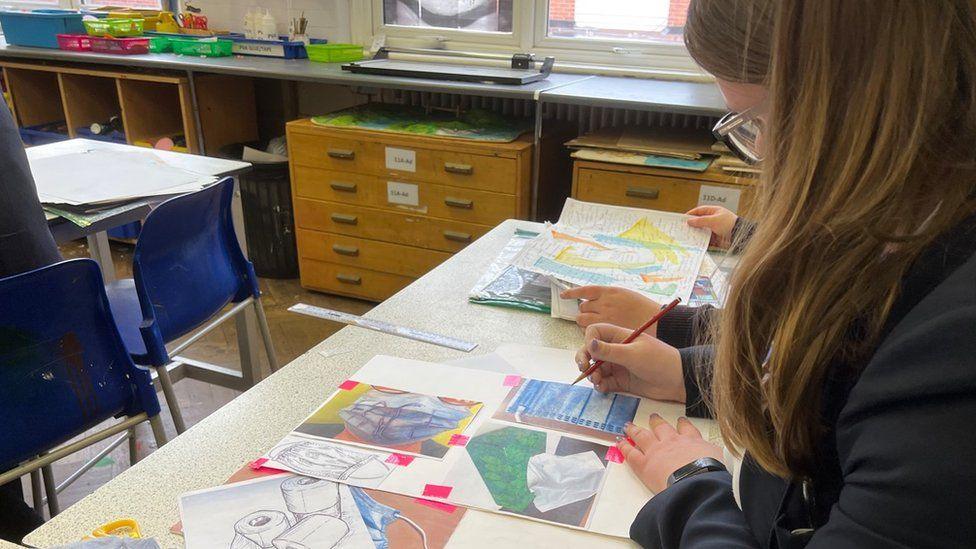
212	450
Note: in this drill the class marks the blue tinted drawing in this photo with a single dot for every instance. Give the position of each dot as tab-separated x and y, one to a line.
574	405
566	271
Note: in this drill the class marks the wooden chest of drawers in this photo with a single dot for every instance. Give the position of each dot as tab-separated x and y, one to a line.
376	210
659	189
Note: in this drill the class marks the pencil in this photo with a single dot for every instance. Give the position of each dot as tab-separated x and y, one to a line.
664	310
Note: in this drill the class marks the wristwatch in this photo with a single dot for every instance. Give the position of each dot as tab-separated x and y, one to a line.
697	467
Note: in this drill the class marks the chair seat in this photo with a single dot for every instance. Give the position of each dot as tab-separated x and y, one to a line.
124	301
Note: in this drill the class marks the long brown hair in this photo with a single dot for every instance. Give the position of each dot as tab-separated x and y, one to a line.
870	155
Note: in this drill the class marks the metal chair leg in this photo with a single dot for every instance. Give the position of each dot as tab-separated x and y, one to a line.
266	334
52	493
158	432
133	451
37	494
174	405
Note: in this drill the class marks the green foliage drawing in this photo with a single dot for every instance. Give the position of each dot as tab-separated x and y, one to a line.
476	124
502	458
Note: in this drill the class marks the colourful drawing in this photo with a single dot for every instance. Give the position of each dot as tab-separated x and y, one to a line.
568	408
476	124
644	234
386	418
569	257
547	476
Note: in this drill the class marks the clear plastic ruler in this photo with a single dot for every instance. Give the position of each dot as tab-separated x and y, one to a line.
385	327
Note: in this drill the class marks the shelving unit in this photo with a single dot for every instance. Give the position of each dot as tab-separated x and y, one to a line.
151	104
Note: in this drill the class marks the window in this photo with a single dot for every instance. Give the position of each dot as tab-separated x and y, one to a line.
630	36
130	4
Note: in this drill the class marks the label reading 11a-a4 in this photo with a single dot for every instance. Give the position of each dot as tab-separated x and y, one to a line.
404	160
406	194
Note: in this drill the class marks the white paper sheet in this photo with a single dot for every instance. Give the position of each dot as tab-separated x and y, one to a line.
277	511
103	176
652	252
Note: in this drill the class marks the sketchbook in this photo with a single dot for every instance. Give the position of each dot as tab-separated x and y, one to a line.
655	253
539	449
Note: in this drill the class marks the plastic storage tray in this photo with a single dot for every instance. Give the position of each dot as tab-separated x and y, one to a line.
150	17
114	27
119	46
39	28
282	49
160	44
202	47
334	53
74	42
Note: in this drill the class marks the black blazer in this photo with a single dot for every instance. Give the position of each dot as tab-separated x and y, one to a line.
898	463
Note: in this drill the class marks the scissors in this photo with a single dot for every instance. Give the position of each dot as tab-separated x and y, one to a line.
193	21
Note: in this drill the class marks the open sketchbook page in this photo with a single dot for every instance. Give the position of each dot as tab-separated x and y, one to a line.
655	253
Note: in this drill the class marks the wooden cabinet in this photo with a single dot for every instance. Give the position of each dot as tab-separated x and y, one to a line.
659	189
376	210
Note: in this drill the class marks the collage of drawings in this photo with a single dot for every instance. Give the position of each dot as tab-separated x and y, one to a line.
348	475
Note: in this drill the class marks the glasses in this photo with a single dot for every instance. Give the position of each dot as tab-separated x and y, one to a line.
740	133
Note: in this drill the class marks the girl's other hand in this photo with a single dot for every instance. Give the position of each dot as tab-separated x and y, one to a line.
611	305
717	219
661	450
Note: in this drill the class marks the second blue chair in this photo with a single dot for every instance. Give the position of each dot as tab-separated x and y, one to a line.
187	266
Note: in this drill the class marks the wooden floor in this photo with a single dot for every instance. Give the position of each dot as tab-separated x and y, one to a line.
292	334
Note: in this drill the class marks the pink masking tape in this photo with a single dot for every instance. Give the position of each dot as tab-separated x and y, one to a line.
614	454
439	505
348	385
512	381
458	440
258	465
399	459
437	491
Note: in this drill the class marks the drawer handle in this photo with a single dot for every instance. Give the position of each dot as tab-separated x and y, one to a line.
345	219
343	187
351	251
643	192
349	279
457	236
461	169
342	154
459	203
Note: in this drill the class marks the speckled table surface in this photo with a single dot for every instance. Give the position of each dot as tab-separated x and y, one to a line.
209	452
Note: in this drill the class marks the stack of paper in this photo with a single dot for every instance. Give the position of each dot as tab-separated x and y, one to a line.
659	147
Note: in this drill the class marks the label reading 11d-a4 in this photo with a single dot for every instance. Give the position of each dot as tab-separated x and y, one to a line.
404	160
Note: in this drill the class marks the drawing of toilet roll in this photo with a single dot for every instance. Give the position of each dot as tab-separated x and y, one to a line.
313	532
262	527
304	496
241	542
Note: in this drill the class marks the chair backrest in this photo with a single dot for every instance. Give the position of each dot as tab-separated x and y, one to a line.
188	265
63	366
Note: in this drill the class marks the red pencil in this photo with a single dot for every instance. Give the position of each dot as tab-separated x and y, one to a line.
664	310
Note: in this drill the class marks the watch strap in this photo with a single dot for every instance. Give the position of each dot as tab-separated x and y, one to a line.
697	467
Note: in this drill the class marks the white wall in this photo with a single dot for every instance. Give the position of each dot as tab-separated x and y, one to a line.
326	18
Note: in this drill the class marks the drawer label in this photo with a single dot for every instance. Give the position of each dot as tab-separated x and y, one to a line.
727	197
404	160
406	194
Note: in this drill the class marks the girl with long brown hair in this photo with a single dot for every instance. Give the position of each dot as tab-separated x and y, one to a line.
843	369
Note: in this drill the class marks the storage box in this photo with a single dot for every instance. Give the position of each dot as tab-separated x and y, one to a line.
74	42
119	46
334	53
202	48
114	27
39	28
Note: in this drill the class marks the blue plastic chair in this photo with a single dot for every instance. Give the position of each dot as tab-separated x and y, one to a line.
187	266
63	370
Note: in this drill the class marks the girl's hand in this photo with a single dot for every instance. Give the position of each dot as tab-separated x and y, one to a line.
717	219
646	367
661	450
611	305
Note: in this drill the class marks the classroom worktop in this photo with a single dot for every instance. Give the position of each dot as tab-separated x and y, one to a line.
693	98
210	451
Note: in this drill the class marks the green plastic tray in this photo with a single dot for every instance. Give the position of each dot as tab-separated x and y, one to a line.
114	27
202	48
160	44
334	53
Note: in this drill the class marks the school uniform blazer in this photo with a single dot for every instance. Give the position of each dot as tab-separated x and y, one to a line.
898	460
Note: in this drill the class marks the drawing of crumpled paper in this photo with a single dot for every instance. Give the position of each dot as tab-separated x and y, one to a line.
501	458
560	480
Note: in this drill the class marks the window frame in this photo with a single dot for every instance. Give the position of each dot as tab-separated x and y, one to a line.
530	22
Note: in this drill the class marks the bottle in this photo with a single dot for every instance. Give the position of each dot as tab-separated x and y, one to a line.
269	26
249	26
114	123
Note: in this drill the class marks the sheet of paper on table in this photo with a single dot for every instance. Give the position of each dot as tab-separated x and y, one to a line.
542	465
104	176
652	252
